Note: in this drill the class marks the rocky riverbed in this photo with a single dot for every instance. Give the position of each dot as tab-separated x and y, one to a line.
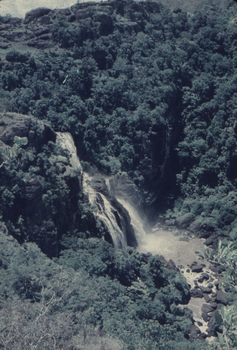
187	253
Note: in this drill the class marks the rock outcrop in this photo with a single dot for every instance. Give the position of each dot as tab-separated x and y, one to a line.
40	187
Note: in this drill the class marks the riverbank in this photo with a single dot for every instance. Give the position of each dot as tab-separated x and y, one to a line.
187	252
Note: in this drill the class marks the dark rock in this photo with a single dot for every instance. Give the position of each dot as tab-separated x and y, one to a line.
14	124
203	277
205	316
194	332
203	228
71	18
213	268
197	268
171	265
36	13
208	307
209	241
184	221
211	330
221	297
207	298
99	185
177	10
196	293
206	290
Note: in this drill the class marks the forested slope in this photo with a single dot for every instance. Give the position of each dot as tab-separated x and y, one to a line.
144	91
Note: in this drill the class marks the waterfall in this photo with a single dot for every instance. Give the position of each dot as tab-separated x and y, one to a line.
136	221
113	215
105	213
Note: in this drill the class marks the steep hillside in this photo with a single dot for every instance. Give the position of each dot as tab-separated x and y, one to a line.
148	95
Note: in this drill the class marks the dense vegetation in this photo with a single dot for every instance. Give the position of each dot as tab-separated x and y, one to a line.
145	91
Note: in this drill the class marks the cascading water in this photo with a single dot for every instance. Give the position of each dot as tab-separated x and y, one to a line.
107	210
136	221
105	213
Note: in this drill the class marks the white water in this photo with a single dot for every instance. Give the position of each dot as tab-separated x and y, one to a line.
172	244
136	221
104	212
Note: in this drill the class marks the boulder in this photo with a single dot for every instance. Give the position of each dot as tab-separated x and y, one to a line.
206	290
196	293
203	228
36	13
194	332
208	307
203	277
207	298
184	221
197	268
14	125
221	297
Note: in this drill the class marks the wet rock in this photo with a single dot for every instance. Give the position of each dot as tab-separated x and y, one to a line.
184	221
206	290
197	268
171	265
208	307
209	241
99	185
213	268
207	298
203	277
202	228
221	297
205	317
194	332
196	293
122	186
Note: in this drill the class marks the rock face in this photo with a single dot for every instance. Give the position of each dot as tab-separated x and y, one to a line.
40	186
35	14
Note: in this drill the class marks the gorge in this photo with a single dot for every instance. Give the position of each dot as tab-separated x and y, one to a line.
118	177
